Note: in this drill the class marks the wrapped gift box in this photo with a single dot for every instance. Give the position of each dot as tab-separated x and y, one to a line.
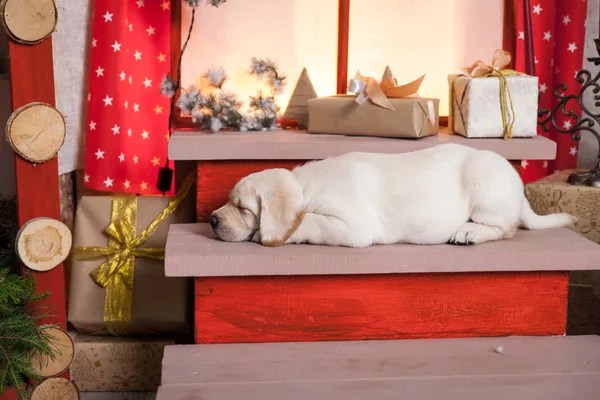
159	305
476	109
107	363
553	194
342	115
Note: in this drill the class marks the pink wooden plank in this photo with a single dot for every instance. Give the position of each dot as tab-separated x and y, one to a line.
530	387
198	364
192	250
290	145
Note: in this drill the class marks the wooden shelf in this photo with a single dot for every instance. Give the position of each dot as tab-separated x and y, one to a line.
551	368
192	250
297	145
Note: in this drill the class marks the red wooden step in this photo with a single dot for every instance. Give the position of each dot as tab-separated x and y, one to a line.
245	292
551	368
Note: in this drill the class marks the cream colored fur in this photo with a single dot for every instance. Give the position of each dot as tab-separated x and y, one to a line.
449	193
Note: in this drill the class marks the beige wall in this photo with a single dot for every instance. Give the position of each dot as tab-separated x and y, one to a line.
412	36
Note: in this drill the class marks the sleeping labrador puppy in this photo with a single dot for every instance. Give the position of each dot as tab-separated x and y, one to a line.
448	193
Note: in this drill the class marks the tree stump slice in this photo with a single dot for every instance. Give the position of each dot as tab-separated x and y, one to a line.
63	353
43	243
55	389
36	132
29	21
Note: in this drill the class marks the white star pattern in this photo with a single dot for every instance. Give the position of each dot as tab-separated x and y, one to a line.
575	74
521	35
535	60
524	164
547	36
572	47
566	20
573	151
545	164
116	46
543	88
128	63
537	9
567	125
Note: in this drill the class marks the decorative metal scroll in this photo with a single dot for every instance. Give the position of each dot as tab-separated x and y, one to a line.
588	121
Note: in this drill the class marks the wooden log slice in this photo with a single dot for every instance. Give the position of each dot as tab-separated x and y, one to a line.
63	352
43	243
36	132
29	21
55	389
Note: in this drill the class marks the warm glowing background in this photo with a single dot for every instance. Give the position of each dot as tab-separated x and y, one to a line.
411	36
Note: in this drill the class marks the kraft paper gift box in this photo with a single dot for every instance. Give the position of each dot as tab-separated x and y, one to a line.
378	109
554	194
108	363
489	101
133	297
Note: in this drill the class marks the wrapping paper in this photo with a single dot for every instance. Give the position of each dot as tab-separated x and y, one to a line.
476	111
553	194
344	116
106	363
159	304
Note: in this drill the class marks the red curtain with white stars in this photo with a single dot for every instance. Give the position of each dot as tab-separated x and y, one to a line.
558	34
127	131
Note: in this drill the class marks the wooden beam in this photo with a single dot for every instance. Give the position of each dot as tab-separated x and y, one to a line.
343	37
529	51
509	30
32	80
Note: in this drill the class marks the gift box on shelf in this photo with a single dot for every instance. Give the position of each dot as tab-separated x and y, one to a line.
489	101
381	109
108	363
118	285
554	194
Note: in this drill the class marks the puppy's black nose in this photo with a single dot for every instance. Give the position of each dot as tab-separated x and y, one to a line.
214	221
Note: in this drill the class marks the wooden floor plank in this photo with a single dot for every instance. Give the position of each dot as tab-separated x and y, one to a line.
550	368
192	250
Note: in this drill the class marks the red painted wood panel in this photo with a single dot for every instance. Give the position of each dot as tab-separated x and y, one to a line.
343	40
217	178
32	79
370	307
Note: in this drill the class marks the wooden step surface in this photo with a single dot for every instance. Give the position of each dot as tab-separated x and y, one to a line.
530	368
193	250
297	145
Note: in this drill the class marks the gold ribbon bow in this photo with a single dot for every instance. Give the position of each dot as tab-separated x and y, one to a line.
479	69
367	88
116	273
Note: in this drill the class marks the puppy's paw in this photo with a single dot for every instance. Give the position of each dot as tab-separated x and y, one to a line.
466	235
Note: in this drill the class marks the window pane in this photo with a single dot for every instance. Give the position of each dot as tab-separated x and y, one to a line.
295	33
414	37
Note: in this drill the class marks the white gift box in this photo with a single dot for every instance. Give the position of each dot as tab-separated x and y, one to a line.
476	112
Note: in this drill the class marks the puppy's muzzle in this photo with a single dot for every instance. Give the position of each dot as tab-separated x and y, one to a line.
214	221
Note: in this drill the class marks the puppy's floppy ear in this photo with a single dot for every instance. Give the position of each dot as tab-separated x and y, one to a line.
281	212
